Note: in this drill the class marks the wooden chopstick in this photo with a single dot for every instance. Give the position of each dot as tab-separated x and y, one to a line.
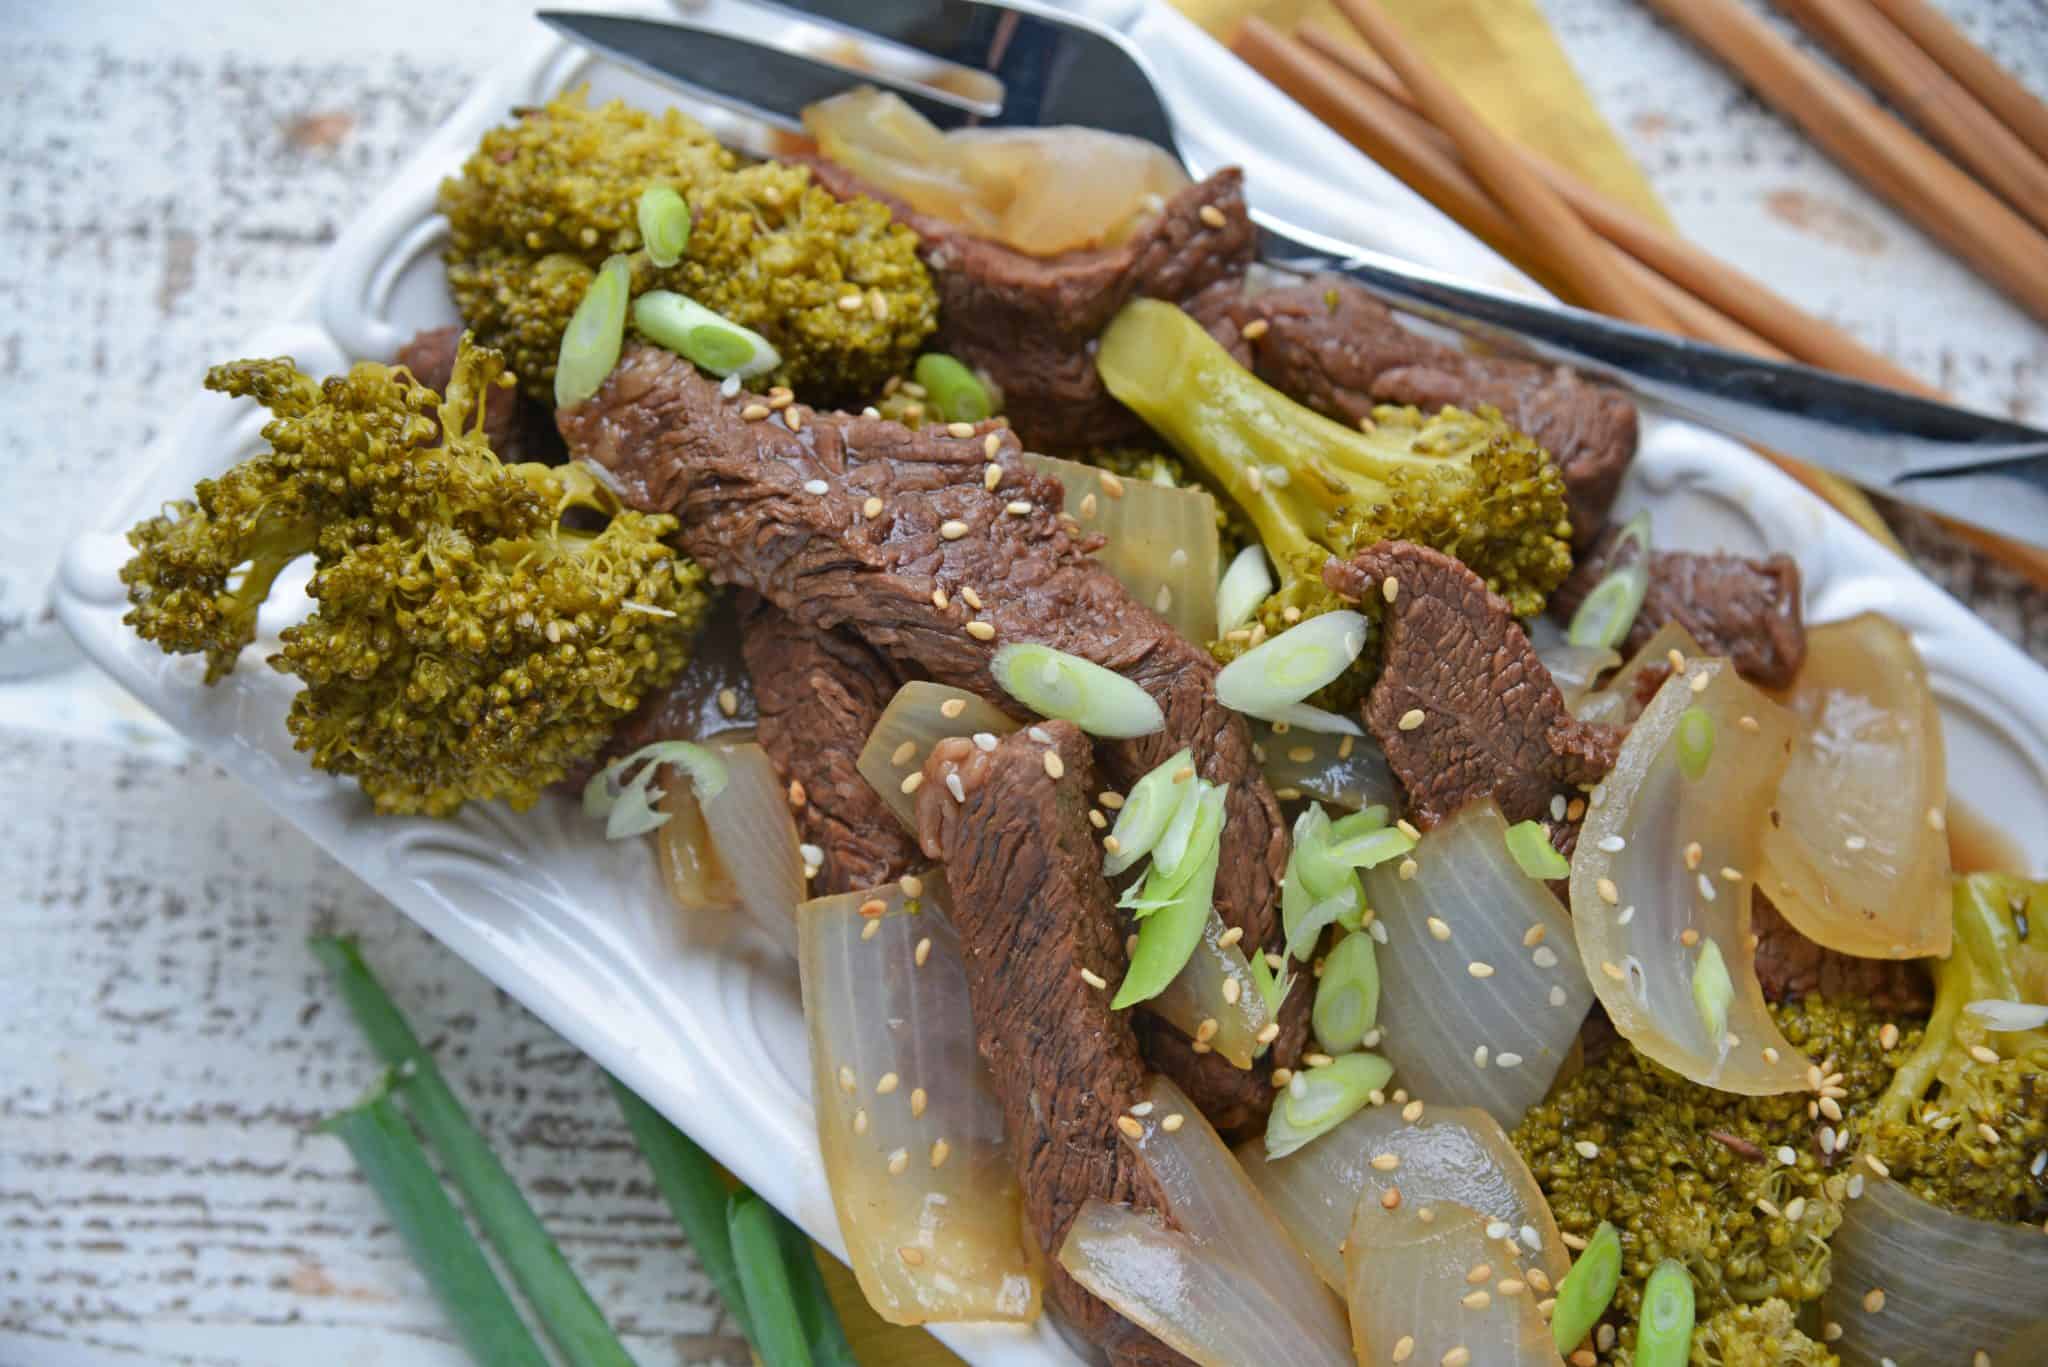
2016	106
1782	328
1916	84
1973	222
1543	216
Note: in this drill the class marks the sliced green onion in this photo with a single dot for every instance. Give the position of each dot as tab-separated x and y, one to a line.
1664	1321
1244	586
566	1310
1712	991
704	338
1321	876
1270	678
1366	846
628	804
1318	1100
664	225
1347	995
1191	837
595	335
958	393
1307	717
1053	683
1529	843
1584	1294
1168	936
1345	906
1695	741
1273	987
1607	613
764	1277
433	1231
1150	806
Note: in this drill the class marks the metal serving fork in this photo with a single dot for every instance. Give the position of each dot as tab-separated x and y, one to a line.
977	62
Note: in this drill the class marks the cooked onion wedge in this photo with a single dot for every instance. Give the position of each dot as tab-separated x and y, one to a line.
1622	700
1856	862
909	1123
1197	995
1457	1154
1161	542
751	829
920	716
1646	904
1480	994
1412	1297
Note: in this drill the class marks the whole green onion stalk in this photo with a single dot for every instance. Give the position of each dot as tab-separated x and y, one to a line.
757	1250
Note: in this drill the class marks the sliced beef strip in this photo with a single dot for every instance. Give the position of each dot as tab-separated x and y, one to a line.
819	694
1032	909
1792	967
744	491
1332	346
1030	321
518	428
1745	610
1492	722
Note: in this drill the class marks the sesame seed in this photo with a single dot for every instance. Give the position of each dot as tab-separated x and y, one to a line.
1479	970
1410	719
874	906
1888	1036
1937	820
1097	820
887	1085
981	631
1230	937
940	600
1476	1300
1404	1347
1438	928
793	419
1094	979
1111	844
1612	844
1983	1054
1407	869
1512	1286
817	487
1212	215
954	787
924	951
754	412
1254	478
728	701
1282	1076
1018	507
917	1101
1770	1054
797	796
846	1082
1607	967
1877	1165
1390	1199
1407	828
970	597
952	529
1557	807
1694	854
1608	892
912	1256
1269	1034
1991	1135
1676	658
1412	1112
1173	1123
1688	937
1707	888
1795	1208
1508	1060
1873	1300
1111	484
811	854
1698	682
1232	990
870	930
1730	875
860	1121
1603	1337
1458	1357
1054	766
1557	996
1479	1057
1539	1279
1587	1148
899	1162
1786	1156
1544	957
1131	1128
1088	505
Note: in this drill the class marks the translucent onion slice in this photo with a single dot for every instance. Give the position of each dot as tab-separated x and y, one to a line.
1230	1287
755	837
1344	771
1412	1300
909	1123
920	716
1456	1154
1481	995
1856	863
1160	542
696	878
1245	585
1914	1283
1053	683
1575	669
1307	717
1621	701
1196	1002
1272	677
1644	902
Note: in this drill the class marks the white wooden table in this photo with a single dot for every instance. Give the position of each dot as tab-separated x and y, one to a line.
165	1041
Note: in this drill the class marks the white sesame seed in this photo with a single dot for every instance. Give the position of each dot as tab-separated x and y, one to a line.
962	430
1378	930
1479	1057
1018	507
953	786
1479	970
1625	915
899	1162
1508	1060
754	412
1054	766
1557	807
1937	820
981	631
917	1101
1410	719
1707	888
1476	1300
1438	928
1587	1148
1406	872
1786	1156
924	950
970	597
860	1121
1404	1347
817	487
1612	844
952	529
1608	892
985	742
1557	996
1983	1053
728	701
871	930
1212	216
1130	1127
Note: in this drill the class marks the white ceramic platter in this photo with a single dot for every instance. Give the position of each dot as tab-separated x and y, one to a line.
576	928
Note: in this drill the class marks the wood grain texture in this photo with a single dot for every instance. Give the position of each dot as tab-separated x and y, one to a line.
172	174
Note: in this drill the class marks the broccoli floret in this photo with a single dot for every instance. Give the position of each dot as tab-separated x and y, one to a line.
1463	483
1688	1172
835	286
464	642
1961	1128
1766	1334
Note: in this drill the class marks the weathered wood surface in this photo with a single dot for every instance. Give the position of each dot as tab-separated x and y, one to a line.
171	173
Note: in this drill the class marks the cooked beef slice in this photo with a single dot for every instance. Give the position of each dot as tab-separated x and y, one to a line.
819	694
1332	346
1029	321
1746	611
744	493
1032	909
1492	723
518	428
1791	967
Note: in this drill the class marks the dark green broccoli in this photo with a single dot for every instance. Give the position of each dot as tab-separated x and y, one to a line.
1966	1116
465	642
1688	1172
836	287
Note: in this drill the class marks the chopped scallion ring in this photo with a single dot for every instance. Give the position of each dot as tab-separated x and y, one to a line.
1608	612
704	338
1347	995
1150	806
1664	1323
1529	843
1053	683
628	804
664	225
595	335
1584	1294
1245	585
1317	1100
1268	679
957	391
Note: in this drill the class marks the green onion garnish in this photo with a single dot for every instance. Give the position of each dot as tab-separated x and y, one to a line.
1607	613
1318	1100
1695	741
1273	987
627	804
1664	1321
1053	683
434	1233
1269	679
1244	586
702	337
1152	803
1190	837
957	392
757	1249
664	225
1712	991
1529	843
596	332
1169	932
1584	1294
1347	995
565	1308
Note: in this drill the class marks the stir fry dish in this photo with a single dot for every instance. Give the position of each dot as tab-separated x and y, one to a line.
1280	874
